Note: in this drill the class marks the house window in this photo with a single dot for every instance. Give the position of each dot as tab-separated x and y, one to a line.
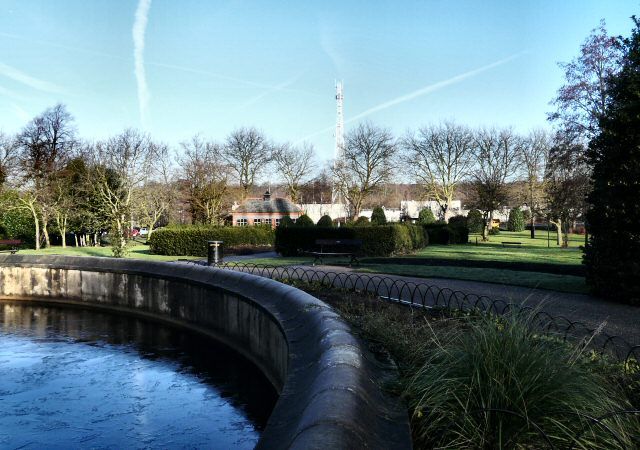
278	221
241	222
257	221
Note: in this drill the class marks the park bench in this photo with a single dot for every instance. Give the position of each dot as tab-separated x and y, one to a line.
13	243
336	247
515	244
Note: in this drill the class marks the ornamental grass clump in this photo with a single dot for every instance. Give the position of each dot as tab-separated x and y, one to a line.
498	384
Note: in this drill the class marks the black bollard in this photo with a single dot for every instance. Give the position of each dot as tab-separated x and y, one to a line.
214	252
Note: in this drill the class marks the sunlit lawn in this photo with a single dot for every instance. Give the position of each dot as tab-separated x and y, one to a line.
138	251
532	250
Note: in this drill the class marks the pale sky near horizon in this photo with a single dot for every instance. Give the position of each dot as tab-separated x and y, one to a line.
176	68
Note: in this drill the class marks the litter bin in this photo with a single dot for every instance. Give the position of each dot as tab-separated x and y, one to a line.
214	253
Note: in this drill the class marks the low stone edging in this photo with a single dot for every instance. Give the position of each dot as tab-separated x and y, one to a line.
328	382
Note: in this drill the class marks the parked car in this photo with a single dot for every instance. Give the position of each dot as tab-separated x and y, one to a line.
144	231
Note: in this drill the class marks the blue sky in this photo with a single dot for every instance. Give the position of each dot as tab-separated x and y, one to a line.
212	66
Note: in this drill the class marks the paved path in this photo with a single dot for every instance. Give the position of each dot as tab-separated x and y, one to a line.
617	319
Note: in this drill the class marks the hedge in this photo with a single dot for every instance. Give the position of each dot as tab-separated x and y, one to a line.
444	234
192	240
384	240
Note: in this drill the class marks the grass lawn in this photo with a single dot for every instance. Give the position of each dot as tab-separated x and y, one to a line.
532	250
138	251
539	280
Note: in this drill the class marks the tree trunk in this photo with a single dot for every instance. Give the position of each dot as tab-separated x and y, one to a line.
533	228
63	233
45	232
37	224
75	237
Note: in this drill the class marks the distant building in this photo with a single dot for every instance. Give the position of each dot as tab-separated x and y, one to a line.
264	211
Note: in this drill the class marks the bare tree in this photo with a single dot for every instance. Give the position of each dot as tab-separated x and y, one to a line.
206	179
153	200
567	185
534	154
366	164
121	164
247	153
496	154
8	157
583	99
45	144
440	158
294	165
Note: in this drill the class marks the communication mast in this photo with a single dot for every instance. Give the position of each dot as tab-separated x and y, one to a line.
339	150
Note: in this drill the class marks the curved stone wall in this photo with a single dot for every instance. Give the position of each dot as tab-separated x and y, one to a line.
329	396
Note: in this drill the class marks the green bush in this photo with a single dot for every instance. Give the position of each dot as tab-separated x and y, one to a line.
475	221
516	220
444	234
325	221
361	221
378	217
526	216
494	231
426	217
384	240
475	375
192	240
18	224
286	221
304	221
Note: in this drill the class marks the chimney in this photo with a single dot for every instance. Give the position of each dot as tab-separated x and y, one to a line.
267	196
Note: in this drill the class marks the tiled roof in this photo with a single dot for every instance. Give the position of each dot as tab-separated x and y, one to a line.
276	205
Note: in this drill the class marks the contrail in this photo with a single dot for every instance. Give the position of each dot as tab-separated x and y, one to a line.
280	87
10	94
418	93
139	28
28	80
155	64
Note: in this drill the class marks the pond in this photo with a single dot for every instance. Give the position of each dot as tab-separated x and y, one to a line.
77	378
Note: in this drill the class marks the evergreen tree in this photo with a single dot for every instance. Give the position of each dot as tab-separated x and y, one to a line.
516	220
425	216
304	221
286	221
378	217
612	254
475	221
325	221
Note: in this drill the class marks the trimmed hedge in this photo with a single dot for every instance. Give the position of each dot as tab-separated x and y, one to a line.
192	240
445	234
385	240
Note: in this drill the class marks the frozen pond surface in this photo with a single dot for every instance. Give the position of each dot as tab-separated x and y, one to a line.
74	378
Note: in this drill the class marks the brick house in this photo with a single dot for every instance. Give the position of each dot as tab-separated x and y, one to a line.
264	211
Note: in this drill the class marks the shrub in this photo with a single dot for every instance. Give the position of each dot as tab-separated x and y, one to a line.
378	217
304	221
526	216
192	240
425	216
384	240
475	221
361	222
494	231
472	375
18	224
325	221
286	221
443	234
516	220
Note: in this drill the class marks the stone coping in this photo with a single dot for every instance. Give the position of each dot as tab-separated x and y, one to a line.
329	384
